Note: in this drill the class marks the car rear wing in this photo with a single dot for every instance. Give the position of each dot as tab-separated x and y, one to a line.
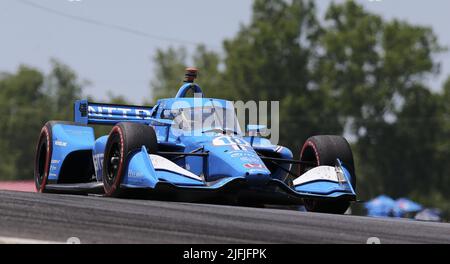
110	114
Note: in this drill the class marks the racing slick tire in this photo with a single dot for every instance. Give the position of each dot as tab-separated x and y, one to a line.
125	138
43	154
324	150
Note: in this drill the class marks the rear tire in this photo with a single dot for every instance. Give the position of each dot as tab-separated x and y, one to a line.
124	139
44	151
324	150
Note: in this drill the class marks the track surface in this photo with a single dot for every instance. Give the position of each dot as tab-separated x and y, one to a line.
53	217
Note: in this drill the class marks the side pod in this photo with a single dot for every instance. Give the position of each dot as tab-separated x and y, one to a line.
72	145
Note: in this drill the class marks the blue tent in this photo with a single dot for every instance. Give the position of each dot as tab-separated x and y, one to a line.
380	206
405	206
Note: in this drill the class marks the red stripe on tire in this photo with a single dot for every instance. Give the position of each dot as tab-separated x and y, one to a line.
47	159
119	174
316	153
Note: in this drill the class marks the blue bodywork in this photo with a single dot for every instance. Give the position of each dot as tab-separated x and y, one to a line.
232	161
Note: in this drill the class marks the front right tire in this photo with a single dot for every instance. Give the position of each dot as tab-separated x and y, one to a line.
324	150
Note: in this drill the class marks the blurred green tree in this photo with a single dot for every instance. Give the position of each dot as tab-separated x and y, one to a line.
63	88
170	71
23	105
377	69
28	99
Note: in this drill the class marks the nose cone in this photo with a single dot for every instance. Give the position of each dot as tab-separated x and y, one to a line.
237	161
255	178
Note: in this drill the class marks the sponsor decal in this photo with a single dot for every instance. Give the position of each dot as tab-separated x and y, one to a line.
241	154
55	161
60	143
250	159
135	174
98	162
254	166
235	143
108	111
320	173
227	141
246	156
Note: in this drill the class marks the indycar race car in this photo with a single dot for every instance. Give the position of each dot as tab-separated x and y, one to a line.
184	148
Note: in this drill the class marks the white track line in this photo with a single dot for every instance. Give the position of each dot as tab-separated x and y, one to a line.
16	240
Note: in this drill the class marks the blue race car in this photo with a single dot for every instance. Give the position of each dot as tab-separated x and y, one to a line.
150	153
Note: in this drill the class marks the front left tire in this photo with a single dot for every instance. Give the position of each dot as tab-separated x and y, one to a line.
124	139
